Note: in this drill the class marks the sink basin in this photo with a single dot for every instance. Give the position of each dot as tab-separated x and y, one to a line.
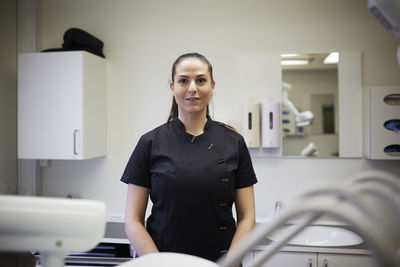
319	236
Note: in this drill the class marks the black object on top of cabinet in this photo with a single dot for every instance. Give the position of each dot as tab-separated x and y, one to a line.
76	39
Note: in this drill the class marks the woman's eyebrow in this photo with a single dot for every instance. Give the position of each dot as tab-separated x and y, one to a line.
186	76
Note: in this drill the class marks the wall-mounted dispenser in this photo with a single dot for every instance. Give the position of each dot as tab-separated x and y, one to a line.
251	124
383	122
271	127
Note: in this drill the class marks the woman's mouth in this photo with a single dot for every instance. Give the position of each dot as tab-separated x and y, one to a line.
192	99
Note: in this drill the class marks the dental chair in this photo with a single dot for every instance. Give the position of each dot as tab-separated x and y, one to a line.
370	202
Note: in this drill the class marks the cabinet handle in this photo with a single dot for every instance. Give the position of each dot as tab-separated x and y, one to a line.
309	262
325	263
76	148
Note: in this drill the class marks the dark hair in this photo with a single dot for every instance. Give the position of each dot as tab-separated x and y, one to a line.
174	108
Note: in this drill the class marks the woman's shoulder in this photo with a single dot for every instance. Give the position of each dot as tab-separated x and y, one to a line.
228	130
154	133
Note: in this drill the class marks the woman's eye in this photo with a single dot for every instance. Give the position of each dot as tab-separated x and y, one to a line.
201	80
182	81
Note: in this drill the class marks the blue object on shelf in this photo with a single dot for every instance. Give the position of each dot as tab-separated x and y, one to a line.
392	148
392	125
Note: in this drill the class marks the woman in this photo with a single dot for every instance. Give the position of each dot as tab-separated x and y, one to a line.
194	169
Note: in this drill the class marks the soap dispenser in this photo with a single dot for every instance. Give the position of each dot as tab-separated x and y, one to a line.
251	123
271	126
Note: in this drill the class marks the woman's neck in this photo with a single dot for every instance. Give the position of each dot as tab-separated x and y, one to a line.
194	123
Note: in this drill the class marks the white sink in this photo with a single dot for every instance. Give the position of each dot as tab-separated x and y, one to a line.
319	236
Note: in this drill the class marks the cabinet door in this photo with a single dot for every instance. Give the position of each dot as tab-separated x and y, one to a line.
345	260
61	105
290	259
49	105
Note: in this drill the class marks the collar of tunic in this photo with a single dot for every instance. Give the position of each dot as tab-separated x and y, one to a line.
179	127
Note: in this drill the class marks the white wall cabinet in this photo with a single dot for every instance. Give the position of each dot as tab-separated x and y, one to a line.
61	105
317	259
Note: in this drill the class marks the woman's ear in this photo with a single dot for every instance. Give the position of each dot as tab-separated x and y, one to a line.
212	86
171	86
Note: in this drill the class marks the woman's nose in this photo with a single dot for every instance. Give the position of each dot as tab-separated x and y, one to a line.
192	87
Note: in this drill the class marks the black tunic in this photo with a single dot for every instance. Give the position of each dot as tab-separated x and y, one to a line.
192	182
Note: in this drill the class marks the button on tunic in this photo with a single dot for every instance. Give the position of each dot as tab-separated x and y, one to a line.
192	182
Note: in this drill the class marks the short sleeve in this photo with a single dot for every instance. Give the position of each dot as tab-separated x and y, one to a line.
137	170
245	175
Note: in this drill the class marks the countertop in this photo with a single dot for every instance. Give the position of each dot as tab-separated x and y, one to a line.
358	249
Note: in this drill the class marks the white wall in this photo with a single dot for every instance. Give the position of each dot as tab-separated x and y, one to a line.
8	97
142	38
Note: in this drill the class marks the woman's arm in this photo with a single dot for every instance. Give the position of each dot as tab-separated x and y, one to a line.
135	209
245	212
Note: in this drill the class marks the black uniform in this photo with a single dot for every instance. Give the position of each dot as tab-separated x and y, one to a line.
192	182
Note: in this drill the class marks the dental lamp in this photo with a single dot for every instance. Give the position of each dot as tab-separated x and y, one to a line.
302	118
54	227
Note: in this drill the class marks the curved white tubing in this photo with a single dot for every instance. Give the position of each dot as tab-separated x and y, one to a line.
346	203
376	239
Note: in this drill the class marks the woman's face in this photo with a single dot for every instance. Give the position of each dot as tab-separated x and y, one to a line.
192	86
